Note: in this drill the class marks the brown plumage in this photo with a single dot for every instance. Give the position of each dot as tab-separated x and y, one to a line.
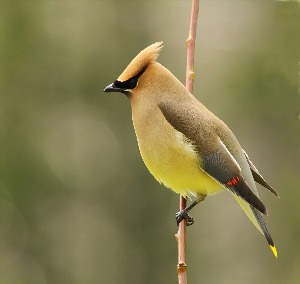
183	144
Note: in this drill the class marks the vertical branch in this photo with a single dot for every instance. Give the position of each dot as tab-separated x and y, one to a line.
181	240
181	234
190	44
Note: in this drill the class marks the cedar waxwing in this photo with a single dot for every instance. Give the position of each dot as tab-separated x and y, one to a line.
183	144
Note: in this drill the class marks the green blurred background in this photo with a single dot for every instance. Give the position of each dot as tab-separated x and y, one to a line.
77	204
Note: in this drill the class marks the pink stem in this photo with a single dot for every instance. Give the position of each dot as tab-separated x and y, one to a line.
181	234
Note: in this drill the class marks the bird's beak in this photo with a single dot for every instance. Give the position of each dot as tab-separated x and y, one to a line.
112	88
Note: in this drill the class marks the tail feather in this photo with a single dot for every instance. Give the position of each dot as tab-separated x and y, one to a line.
262	225
257	219
260	220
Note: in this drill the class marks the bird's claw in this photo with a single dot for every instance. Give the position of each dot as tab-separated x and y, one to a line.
184	215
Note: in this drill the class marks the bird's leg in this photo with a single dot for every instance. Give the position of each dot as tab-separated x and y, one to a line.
183	214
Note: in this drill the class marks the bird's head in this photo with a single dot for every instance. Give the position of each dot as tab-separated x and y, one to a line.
133	74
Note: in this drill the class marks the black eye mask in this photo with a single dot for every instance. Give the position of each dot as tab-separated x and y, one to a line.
131	83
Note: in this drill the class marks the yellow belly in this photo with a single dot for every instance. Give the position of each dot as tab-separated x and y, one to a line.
174	162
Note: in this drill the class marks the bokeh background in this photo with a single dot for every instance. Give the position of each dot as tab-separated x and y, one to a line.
77	204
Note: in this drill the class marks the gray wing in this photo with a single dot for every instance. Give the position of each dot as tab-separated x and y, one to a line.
215	159
257	176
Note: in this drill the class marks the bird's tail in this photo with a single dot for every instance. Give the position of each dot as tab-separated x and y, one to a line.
257	219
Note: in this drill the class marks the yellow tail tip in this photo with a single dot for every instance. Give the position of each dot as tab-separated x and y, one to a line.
274	250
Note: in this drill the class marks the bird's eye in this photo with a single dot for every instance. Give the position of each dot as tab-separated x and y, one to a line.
132	83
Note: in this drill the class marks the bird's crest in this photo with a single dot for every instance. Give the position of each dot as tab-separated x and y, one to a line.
145	57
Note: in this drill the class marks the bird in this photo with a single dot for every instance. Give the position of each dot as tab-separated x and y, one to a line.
184	145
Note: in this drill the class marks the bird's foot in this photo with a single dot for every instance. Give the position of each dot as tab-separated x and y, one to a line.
184	215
